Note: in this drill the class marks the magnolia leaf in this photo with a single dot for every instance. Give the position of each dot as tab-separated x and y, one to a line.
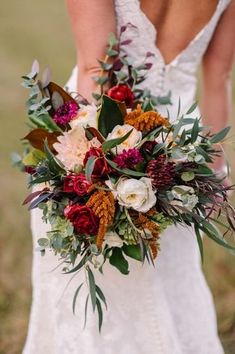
94	133
220	136
35	68
52	87
56	100
117	260
112	113
38	136
109	144
188	176
133	251
46	77
53	163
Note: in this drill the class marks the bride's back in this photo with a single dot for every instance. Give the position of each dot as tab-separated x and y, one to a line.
177	22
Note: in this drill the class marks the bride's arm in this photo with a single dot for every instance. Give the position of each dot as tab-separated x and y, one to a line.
92	21
217	67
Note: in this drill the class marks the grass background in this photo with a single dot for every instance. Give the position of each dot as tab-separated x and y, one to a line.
41	30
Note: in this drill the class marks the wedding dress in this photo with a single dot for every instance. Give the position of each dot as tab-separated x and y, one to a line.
163	310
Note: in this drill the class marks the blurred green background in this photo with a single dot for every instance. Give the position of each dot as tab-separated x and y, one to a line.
41	30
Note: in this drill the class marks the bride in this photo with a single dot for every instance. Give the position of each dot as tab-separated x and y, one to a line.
167	309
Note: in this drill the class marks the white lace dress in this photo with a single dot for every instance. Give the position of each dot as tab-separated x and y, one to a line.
163	310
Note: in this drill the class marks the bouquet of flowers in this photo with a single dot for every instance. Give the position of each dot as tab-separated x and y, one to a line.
113	176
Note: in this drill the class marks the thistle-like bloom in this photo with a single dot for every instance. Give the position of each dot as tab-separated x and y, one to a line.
66	113
128	158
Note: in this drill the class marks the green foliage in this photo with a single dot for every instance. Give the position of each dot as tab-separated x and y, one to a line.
110	115
118	261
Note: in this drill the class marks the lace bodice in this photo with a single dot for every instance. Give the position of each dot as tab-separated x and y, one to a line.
179	76
162	310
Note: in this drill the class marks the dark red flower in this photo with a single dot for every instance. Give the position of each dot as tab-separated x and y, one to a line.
128	158
148	146
122	93
77	184
85	222
101	167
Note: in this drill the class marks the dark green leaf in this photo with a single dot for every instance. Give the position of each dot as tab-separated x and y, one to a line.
79	266
126	171
75	297
53	163
101	295
195	131
85	312
214	234
100	313
92	288
199	241
111	114
133	251
118	261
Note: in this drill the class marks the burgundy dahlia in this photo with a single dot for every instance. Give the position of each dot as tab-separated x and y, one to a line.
161	172
66	113
128	158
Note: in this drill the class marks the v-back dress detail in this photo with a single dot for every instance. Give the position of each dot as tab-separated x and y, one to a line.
163	310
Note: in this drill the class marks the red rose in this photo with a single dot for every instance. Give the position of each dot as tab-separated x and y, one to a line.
77	184
85	222
101	167
122	93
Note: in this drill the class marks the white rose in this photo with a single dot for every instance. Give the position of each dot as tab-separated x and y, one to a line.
184	196
121	130
136	194
87	116
113	240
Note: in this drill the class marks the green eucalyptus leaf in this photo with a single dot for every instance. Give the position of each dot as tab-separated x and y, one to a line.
192	108
220	136
90	167
188	176
43	242
126	171
100	313
92	288
199	241
75	296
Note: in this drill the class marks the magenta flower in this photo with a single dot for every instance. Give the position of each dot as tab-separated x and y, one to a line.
128	158
66	113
